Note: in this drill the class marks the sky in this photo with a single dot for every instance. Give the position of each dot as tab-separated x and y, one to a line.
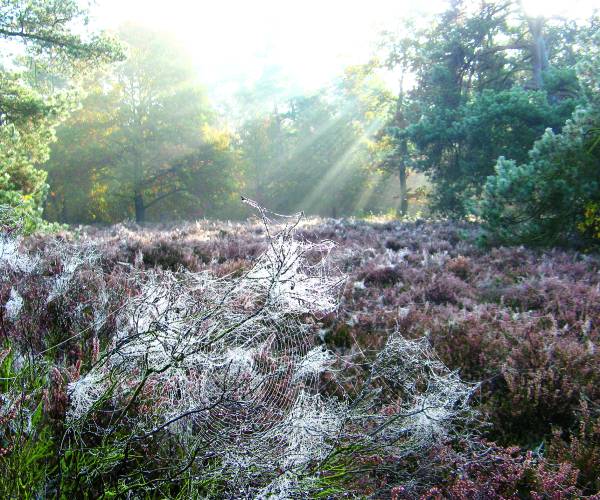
232	42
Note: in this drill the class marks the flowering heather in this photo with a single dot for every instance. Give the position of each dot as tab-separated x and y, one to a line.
286	358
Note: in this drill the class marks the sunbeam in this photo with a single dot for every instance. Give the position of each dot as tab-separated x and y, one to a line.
342	166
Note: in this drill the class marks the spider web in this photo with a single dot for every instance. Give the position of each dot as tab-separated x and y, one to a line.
223	364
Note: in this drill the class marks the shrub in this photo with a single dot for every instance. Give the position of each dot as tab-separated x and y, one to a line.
502	473
581	447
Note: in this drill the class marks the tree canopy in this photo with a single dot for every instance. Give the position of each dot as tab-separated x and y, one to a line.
489	81
552	197
143	135
46	32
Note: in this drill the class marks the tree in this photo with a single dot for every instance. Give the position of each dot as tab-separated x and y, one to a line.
486	84
50	28
26	129
553	198
84	146
30	109
262	138
494	123
147	139
392	141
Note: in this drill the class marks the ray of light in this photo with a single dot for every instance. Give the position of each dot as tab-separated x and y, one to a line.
365	196
323	129
338	168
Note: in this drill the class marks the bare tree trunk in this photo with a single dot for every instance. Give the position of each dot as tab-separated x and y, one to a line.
64	214
402	151
403	189
539	51
140	208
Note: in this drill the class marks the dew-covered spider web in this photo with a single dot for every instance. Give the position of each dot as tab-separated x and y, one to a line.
227	366
224	376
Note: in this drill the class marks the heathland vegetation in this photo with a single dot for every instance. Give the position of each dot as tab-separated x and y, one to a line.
424	321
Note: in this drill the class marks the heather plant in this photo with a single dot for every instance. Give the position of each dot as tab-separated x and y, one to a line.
53	304
581	447
359	389
130	378
225	370
216	364
523	323
499	473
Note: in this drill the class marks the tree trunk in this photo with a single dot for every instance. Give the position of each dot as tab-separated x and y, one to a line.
539	51
402	173
64	215
140	208
402	152
403	190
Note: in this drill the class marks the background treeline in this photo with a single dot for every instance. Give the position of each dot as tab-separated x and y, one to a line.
147	144
138	138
